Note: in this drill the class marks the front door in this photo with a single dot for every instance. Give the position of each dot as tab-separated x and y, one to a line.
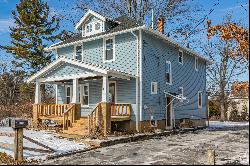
112	92
169	106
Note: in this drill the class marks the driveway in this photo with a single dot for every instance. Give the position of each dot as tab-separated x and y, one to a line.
190	148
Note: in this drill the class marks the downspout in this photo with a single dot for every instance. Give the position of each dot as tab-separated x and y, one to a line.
137	82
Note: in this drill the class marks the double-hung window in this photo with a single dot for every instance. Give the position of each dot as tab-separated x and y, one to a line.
68	94
109	49
168	73
199	99
196	63
78	52
180	57
85	95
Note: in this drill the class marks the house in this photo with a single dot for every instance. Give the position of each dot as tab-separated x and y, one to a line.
122	75
239	99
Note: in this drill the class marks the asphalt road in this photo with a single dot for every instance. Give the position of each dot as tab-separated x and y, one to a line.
190	148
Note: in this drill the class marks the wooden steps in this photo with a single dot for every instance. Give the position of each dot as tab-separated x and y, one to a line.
79	127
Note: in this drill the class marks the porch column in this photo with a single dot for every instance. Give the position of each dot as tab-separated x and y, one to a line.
105	89
75	95
37	93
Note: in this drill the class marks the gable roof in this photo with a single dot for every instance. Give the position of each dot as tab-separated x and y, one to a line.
87	15
119	24
91	66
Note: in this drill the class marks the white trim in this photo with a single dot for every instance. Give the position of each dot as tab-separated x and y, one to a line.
105	88
67	77
89	12
74	53
38	93
104	49
93	31
92	38
66	87
140	48
82	92
182	93
188	50
196	63
180	51
170	73
115	90
156	88
200	92
146	29
56	91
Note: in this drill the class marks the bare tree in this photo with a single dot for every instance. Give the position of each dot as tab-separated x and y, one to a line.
225	70
177	13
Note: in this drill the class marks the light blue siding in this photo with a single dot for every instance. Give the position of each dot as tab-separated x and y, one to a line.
155	55
125	93
67	69
66	51
125	53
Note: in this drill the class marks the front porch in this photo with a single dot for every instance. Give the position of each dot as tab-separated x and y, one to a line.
87	99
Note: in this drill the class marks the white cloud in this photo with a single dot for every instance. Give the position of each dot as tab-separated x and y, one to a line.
5	24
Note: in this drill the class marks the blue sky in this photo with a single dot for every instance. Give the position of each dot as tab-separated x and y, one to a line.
225	6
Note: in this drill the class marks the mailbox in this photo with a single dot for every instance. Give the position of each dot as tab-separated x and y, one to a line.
19	123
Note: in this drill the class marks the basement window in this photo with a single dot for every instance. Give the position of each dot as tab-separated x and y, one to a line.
153	88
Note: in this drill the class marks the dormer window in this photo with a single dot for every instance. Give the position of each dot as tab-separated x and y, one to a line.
97	26
93	28
88	28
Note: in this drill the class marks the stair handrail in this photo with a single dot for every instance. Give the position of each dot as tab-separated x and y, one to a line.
66	113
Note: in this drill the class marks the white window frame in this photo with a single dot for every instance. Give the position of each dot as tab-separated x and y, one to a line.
82	93
170	73
182	93
200	92
104	49
93	27
156	88
75	51
196	62
181	57
71	93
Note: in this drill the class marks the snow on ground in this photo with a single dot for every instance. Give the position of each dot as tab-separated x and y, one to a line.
218	124
50	139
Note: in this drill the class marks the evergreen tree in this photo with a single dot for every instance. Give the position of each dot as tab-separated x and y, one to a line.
35	26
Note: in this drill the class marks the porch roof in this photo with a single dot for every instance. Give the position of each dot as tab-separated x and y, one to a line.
84	70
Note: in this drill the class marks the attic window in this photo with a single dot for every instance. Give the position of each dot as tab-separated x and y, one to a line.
93	28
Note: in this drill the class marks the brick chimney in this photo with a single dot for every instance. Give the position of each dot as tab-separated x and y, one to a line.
161	24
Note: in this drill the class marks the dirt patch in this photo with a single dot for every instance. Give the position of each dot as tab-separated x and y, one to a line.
5	159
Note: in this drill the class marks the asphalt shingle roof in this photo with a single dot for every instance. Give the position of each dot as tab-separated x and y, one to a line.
119	24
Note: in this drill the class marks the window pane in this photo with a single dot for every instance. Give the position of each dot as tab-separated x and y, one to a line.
85	100
109	54
85	91
97	26
68	91
200	98
167	77
167	67
180	57
67	100
79	52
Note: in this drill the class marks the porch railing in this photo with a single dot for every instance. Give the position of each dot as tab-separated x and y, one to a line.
121	110
69	117
56	110
95	118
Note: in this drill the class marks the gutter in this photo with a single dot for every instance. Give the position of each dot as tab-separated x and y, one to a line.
92	38
137	82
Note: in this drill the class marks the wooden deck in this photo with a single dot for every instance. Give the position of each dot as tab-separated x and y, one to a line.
69	116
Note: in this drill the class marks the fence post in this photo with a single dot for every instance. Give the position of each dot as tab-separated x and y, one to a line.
106	114
211	157
18	144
